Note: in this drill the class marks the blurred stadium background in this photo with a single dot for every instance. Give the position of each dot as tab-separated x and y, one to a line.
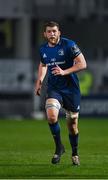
21	24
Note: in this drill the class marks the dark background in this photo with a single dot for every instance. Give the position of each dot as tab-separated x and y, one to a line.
21	23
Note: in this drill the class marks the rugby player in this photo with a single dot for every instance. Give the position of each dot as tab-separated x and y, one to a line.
61	58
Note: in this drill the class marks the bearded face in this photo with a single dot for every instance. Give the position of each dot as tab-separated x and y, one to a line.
52	35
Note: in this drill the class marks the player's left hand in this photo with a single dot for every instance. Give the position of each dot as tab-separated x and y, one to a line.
57	71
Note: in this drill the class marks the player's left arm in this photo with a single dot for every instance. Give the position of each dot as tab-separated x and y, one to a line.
79	64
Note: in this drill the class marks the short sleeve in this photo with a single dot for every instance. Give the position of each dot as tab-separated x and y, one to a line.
74	49
41	56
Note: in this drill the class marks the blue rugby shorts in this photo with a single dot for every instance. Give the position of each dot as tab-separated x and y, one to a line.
69	100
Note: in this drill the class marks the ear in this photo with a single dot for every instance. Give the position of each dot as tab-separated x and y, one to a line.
60	33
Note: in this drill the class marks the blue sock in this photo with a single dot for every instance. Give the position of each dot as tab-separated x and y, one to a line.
55	130
74	144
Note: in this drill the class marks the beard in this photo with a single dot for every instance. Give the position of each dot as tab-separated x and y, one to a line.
53	40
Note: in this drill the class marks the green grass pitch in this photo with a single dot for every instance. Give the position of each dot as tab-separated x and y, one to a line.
26	149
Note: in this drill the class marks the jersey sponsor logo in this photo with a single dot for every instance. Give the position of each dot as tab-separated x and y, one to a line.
53	59
60	52
56	63
44	55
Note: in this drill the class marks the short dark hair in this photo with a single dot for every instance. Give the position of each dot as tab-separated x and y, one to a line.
51	24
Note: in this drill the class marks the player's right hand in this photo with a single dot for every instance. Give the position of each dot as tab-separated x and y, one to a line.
38	88
38	92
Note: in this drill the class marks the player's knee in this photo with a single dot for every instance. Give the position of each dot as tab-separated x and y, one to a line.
52	119
72	116
72	121
52	109
52	103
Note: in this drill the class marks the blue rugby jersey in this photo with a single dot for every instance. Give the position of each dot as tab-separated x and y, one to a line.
62	55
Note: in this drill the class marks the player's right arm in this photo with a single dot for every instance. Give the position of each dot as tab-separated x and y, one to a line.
42	70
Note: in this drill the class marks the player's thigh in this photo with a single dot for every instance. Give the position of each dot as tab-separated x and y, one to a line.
52	109
71	101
